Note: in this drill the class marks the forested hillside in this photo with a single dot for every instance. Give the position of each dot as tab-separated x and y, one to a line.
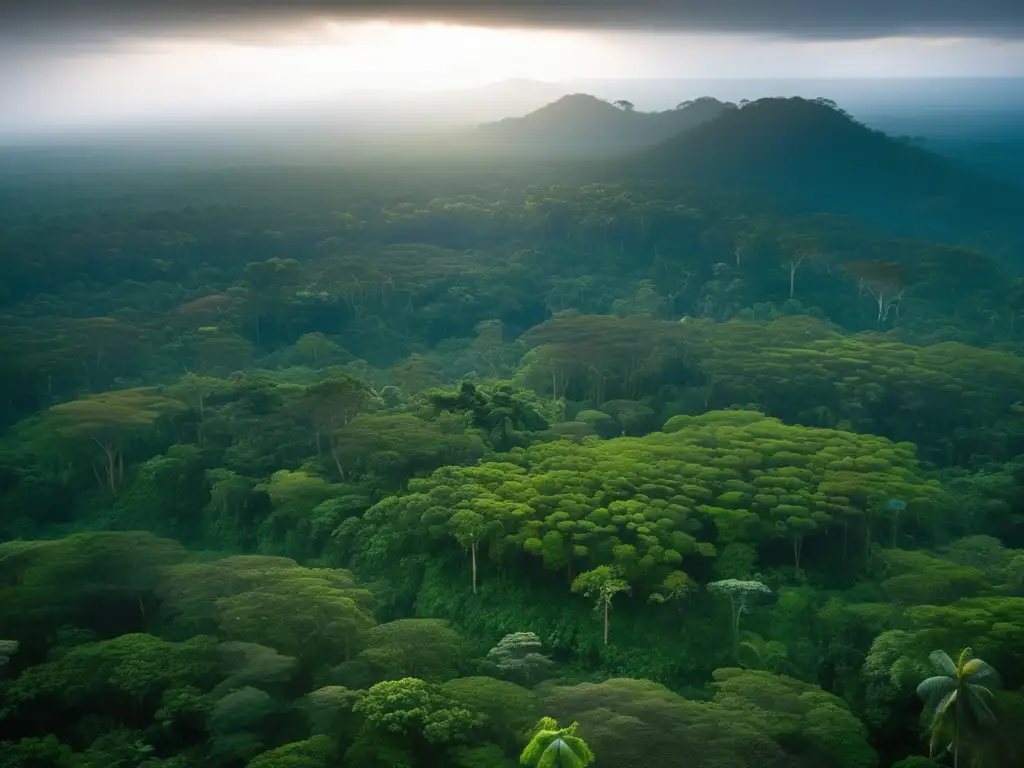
308	470
580	125
810	155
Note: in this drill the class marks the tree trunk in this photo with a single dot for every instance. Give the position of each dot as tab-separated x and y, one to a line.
735	625
472	550
114	462
334	453
956	737
606	602
110	475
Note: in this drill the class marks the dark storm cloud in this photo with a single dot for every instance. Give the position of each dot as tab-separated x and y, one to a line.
97	20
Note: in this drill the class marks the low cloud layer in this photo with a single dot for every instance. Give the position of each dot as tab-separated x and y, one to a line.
52	20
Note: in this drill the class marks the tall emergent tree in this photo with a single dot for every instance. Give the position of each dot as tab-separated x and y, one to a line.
795	249
469	528
268	283
602	584
330	405
886	281
554	747
960	701
109	421
740	595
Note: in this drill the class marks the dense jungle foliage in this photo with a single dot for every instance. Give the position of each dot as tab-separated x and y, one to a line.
444	473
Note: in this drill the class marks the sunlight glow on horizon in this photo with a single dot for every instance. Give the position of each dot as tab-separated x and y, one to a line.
161	78
387	56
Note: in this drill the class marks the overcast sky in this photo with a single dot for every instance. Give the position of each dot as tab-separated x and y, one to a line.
66	63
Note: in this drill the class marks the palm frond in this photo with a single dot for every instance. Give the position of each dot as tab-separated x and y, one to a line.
752	647
554	747
560	754
533	751
580	748
546	724
982	690
981	673
942	663
978	699
934	688
937	740
944	707
776	650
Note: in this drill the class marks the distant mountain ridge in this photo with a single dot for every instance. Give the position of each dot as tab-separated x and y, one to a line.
581	125
812	156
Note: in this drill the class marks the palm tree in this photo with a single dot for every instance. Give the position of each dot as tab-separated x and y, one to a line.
554	747
960	700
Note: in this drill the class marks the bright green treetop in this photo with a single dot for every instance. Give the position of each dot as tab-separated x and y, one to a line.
554	747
